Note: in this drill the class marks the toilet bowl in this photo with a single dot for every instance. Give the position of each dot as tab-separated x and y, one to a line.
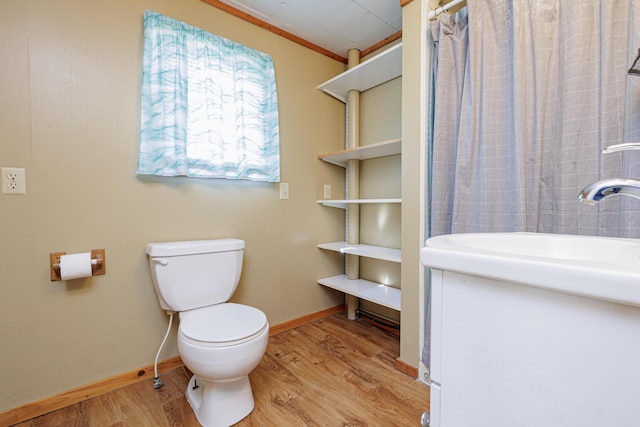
219	342
221	345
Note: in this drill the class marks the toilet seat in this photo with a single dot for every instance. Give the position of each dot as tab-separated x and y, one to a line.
222	325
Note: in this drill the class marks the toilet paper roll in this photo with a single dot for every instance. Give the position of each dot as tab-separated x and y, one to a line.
75	266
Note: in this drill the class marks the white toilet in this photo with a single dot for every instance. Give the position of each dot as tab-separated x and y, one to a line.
220	342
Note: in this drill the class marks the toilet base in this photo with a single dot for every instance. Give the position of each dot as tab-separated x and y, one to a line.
220	404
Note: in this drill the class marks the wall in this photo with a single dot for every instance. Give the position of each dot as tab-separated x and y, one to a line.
69	114
380	120
415	53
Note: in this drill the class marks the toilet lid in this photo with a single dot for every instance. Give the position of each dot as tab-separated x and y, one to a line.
222	323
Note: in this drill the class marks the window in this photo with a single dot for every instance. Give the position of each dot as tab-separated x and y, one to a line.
209	105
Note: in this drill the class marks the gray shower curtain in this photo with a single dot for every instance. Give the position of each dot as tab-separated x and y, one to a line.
525	94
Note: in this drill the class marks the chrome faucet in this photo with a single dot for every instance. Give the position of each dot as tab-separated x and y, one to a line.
597	191
621	147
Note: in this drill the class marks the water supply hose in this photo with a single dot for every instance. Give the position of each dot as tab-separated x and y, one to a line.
157	382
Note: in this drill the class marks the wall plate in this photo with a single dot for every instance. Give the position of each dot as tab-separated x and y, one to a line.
13	181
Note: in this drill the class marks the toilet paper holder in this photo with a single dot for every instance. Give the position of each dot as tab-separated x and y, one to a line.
98	263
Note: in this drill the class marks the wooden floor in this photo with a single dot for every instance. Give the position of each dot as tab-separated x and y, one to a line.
333	372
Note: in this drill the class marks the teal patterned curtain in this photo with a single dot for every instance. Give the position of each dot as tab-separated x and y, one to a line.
209	106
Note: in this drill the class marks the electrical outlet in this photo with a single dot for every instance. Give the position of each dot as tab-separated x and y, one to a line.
284	190
13	181
327	191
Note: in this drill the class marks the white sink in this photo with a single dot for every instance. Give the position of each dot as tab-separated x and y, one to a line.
555	246
533	330
599	267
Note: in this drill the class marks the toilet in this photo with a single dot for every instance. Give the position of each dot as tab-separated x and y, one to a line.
220	342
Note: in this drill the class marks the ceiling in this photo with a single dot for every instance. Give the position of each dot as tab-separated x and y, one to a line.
335	25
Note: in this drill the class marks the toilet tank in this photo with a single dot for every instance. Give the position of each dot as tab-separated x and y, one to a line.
193	274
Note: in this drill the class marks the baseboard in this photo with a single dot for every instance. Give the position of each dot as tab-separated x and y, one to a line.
67	398
62	400
406	369
309	318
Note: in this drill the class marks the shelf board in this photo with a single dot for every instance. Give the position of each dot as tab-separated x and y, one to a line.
342	204
376	252
364	152
371	73
370	291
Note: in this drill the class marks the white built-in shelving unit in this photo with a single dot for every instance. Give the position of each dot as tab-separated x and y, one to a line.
365	152
374	292
377	252
373	72
343	203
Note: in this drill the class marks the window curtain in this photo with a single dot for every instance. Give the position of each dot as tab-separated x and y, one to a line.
525	96
209	107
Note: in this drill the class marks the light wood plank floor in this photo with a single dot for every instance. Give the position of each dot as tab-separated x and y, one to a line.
333	372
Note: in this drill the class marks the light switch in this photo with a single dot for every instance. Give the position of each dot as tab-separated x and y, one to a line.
327	191
284	190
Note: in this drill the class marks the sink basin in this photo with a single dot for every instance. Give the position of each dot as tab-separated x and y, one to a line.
555	246
599	267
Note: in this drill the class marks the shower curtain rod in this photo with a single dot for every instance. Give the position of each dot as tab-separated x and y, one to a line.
439	10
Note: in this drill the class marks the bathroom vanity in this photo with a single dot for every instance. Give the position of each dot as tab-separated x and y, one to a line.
534	330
